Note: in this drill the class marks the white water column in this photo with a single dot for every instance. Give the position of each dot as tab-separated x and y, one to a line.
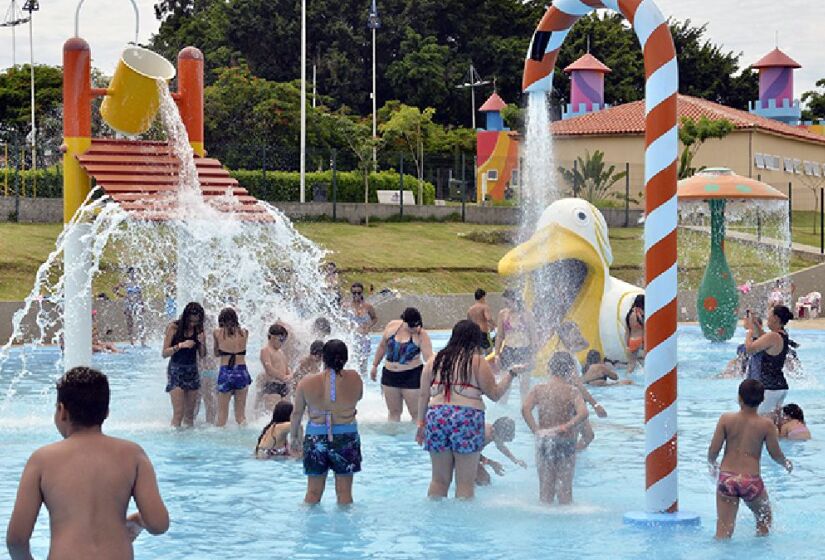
188	279
77	293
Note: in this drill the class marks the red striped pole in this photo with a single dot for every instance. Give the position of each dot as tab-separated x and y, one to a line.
661	74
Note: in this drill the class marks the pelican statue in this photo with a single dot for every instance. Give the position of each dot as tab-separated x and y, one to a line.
565	266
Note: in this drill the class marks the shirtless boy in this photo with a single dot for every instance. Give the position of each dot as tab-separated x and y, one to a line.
274	382
481	314
561	410
743	433
500	432
86	482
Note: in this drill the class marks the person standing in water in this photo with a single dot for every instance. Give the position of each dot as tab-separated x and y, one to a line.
363	315
233	378
183	344
275	380
331	440
451	410
743	434
774	346
133	306
86	481
404	343
481	314
515	336
635	332
561	410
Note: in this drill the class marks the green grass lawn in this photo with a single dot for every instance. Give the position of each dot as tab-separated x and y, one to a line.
412	257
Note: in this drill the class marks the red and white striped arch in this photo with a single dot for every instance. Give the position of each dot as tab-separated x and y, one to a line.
661	75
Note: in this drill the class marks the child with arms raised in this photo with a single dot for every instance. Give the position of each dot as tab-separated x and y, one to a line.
86	482
743	434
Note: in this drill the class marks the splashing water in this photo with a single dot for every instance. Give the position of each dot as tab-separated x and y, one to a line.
266	271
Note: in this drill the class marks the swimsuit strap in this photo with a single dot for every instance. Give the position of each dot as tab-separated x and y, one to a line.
328	413
231	355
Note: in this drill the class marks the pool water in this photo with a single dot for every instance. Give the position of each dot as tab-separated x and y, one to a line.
225	504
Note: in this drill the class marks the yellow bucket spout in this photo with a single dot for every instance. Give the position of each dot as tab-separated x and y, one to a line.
132	99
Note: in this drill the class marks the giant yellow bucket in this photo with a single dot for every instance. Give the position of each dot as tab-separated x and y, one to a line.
132	99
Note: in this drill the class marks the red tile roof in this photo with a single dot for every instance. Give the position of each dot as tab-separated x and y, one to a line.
776	58
143	178
629	118
493	103
588	62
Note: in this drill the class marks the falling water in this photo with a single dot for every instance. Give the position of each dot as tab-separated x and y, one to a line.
539	188
266	271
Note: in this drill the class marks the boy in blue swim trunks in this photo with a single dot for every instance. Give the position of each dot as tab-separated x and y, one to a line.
561	411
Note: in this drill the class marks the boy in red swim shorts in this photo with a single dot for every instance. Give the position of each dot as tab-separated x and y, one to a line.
743	433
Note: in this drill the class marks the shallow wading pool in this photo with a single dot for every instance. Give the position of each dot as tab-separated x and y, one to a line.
225	504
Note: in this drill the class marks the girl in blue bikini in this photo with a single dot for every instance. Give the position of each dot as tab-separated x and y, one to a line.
233	378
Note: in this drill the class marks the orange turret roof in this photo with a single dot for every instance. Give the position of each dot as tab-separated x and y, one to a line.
588	62
493	103
776	58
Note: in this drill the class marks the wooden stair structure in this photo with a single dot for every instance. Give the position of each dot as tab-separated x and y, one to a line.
143	178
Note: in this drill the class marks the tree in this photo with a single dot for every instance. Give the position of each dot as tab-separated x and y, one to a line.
693	134
591	180
15	96
815	102
356	134
406	128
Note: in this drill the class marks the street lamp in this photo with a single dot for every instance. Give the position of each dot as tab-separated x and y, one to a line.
303	99
374	22
474	81
32	6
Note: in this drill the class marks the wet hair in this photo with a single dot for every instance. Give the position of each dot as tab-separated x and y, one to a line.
794	411
192	308
357	285
84	393
228	319
561	364
638	303
505	428
480	293
316	348
752	392
280	414
454	363
513	296
783	314
321	326
335	355
412	317
277	330
593	357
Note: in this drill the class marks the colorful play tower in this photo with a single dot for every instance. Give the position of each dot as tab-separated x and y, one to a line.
496	154
776	99
586	86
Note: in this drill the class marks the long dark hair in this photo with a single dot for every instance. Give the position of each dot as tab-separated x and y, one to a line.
281	414
228	319
192	308
638	302
335	355
454	363
794	411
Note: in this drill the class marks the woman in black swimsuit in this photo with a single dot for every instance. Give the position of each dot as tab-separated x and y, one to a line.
183	343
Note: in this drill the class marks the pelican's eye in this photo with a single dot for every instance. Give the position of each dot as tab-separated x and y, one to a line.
582	217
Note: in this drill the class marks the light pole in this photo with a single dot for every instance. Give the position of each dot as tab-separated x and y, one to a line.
374	22
303	98
473	82
32	6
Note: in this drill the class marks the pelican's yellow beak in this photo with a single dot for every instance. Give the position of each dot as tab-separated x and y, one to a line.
552	243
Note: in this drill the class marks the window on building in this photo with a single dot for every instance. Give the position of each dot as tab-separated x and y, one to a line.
788	165
514	177
492	174
772	162
759	161
797	166
816	170
806	168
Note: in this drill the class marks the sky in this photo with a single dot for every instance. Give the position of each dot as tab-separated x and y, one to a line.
109	24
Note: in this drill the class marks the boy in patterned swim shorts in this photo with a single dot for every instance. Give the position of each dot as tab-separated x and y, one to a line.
743	433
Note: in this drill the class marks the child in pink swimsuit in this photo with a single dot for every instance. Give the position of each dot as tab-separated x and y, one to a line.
743	434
